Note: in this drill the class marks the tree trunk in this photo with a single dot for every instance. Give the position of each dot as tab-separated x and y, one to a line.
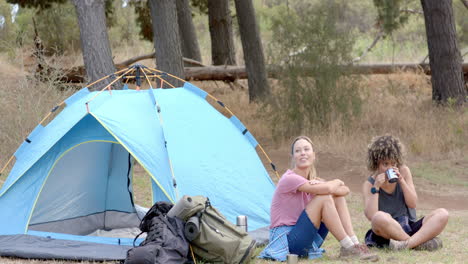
188	35
97	55
444	55
166	40
222	42
253	51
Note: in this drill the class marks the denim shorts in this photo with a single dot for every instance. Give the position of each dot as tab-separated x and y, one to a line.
303	234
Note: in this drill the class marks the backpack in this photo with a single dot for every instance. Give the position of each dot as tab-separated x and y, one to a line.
217	239
165	241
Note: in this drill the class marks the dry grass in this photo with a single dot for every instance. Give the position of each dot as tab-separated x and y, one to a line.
399	104
24	102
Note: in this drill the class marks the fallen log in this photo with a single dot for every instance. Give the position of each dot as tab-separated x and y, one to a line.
238	72
77	74
230	73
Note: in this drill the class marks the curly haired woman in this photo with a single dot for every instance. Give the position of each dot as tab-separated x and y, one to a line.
390	204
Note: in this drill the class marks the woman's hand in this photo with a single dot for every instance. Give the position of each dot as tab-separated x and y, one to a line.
341	191
379	180
400	177
339	182
406	182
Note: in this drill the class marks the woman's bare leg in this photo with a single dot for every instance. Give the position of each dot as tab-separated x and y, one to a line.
433	224
343	212
385	226
322	209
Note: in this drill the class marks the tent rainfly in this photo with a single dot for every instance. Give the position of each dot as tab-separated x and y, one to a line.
69	193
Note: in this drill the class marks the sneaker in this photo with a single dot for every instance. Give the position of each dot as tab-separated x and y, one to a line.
430	245
398	245
359	251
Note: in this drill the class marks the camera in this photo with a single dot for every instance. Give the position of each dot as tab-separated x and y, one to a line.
391	175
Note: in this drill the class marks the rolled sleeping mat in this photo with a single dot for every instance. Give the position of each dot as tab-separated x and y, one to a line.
192	228
181	208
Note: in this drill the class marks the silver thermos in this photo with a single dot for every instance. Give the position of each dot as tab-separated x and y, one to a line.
242	222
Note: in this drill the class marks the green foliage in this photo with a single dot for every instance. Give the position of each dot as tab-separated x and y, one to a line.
311	49
56	24
390	16
7	29
57	29
124	29
461	21
201	5
40	4
143	18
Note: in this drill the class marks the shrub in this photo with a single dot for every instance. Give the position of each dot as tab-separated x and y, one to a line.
315	88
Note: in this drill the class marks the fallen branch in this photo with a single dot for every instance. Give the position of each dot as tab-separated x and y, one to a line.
425	58
412	11
230	73
76	74
364	53
130	61
239	72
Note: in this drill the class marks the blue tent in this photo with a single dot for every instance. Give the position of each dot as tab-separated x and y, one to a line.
72	178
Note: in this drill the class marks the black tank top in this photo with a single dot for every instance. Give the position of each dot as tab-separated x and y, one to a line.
394	203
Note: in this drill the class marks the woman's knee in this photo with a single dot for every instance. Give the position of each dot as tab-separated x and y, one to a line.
442	214
339	199
325	198
380	219
319	200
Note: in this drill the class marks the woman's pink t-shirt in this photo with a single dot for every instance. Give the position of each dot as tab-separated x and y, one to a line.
288	203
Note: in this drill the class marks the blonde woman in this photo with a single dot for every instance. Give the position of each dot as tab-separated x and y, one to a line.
304	208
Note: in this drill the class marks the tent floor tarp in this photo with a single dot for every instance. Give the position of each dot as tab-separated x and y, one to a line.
38	247
35	247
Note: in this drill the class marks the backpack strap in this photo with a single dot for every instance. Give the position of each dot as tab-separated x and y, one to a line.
207	203
134	240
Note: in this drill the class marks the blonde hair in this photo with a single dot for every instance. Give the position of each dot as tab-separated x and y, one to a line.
385	147
313	171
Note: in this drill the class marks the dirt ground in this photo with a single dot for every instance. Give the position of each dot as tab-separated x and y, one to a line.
330	166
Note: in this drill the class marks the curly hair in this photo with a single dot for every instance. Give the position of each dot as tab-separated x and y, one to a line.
385	147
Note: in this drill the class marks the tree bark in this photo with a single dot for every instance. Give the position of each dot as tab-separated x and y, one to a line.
222	42
97	55
166	39
444	56
188	35
253	50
